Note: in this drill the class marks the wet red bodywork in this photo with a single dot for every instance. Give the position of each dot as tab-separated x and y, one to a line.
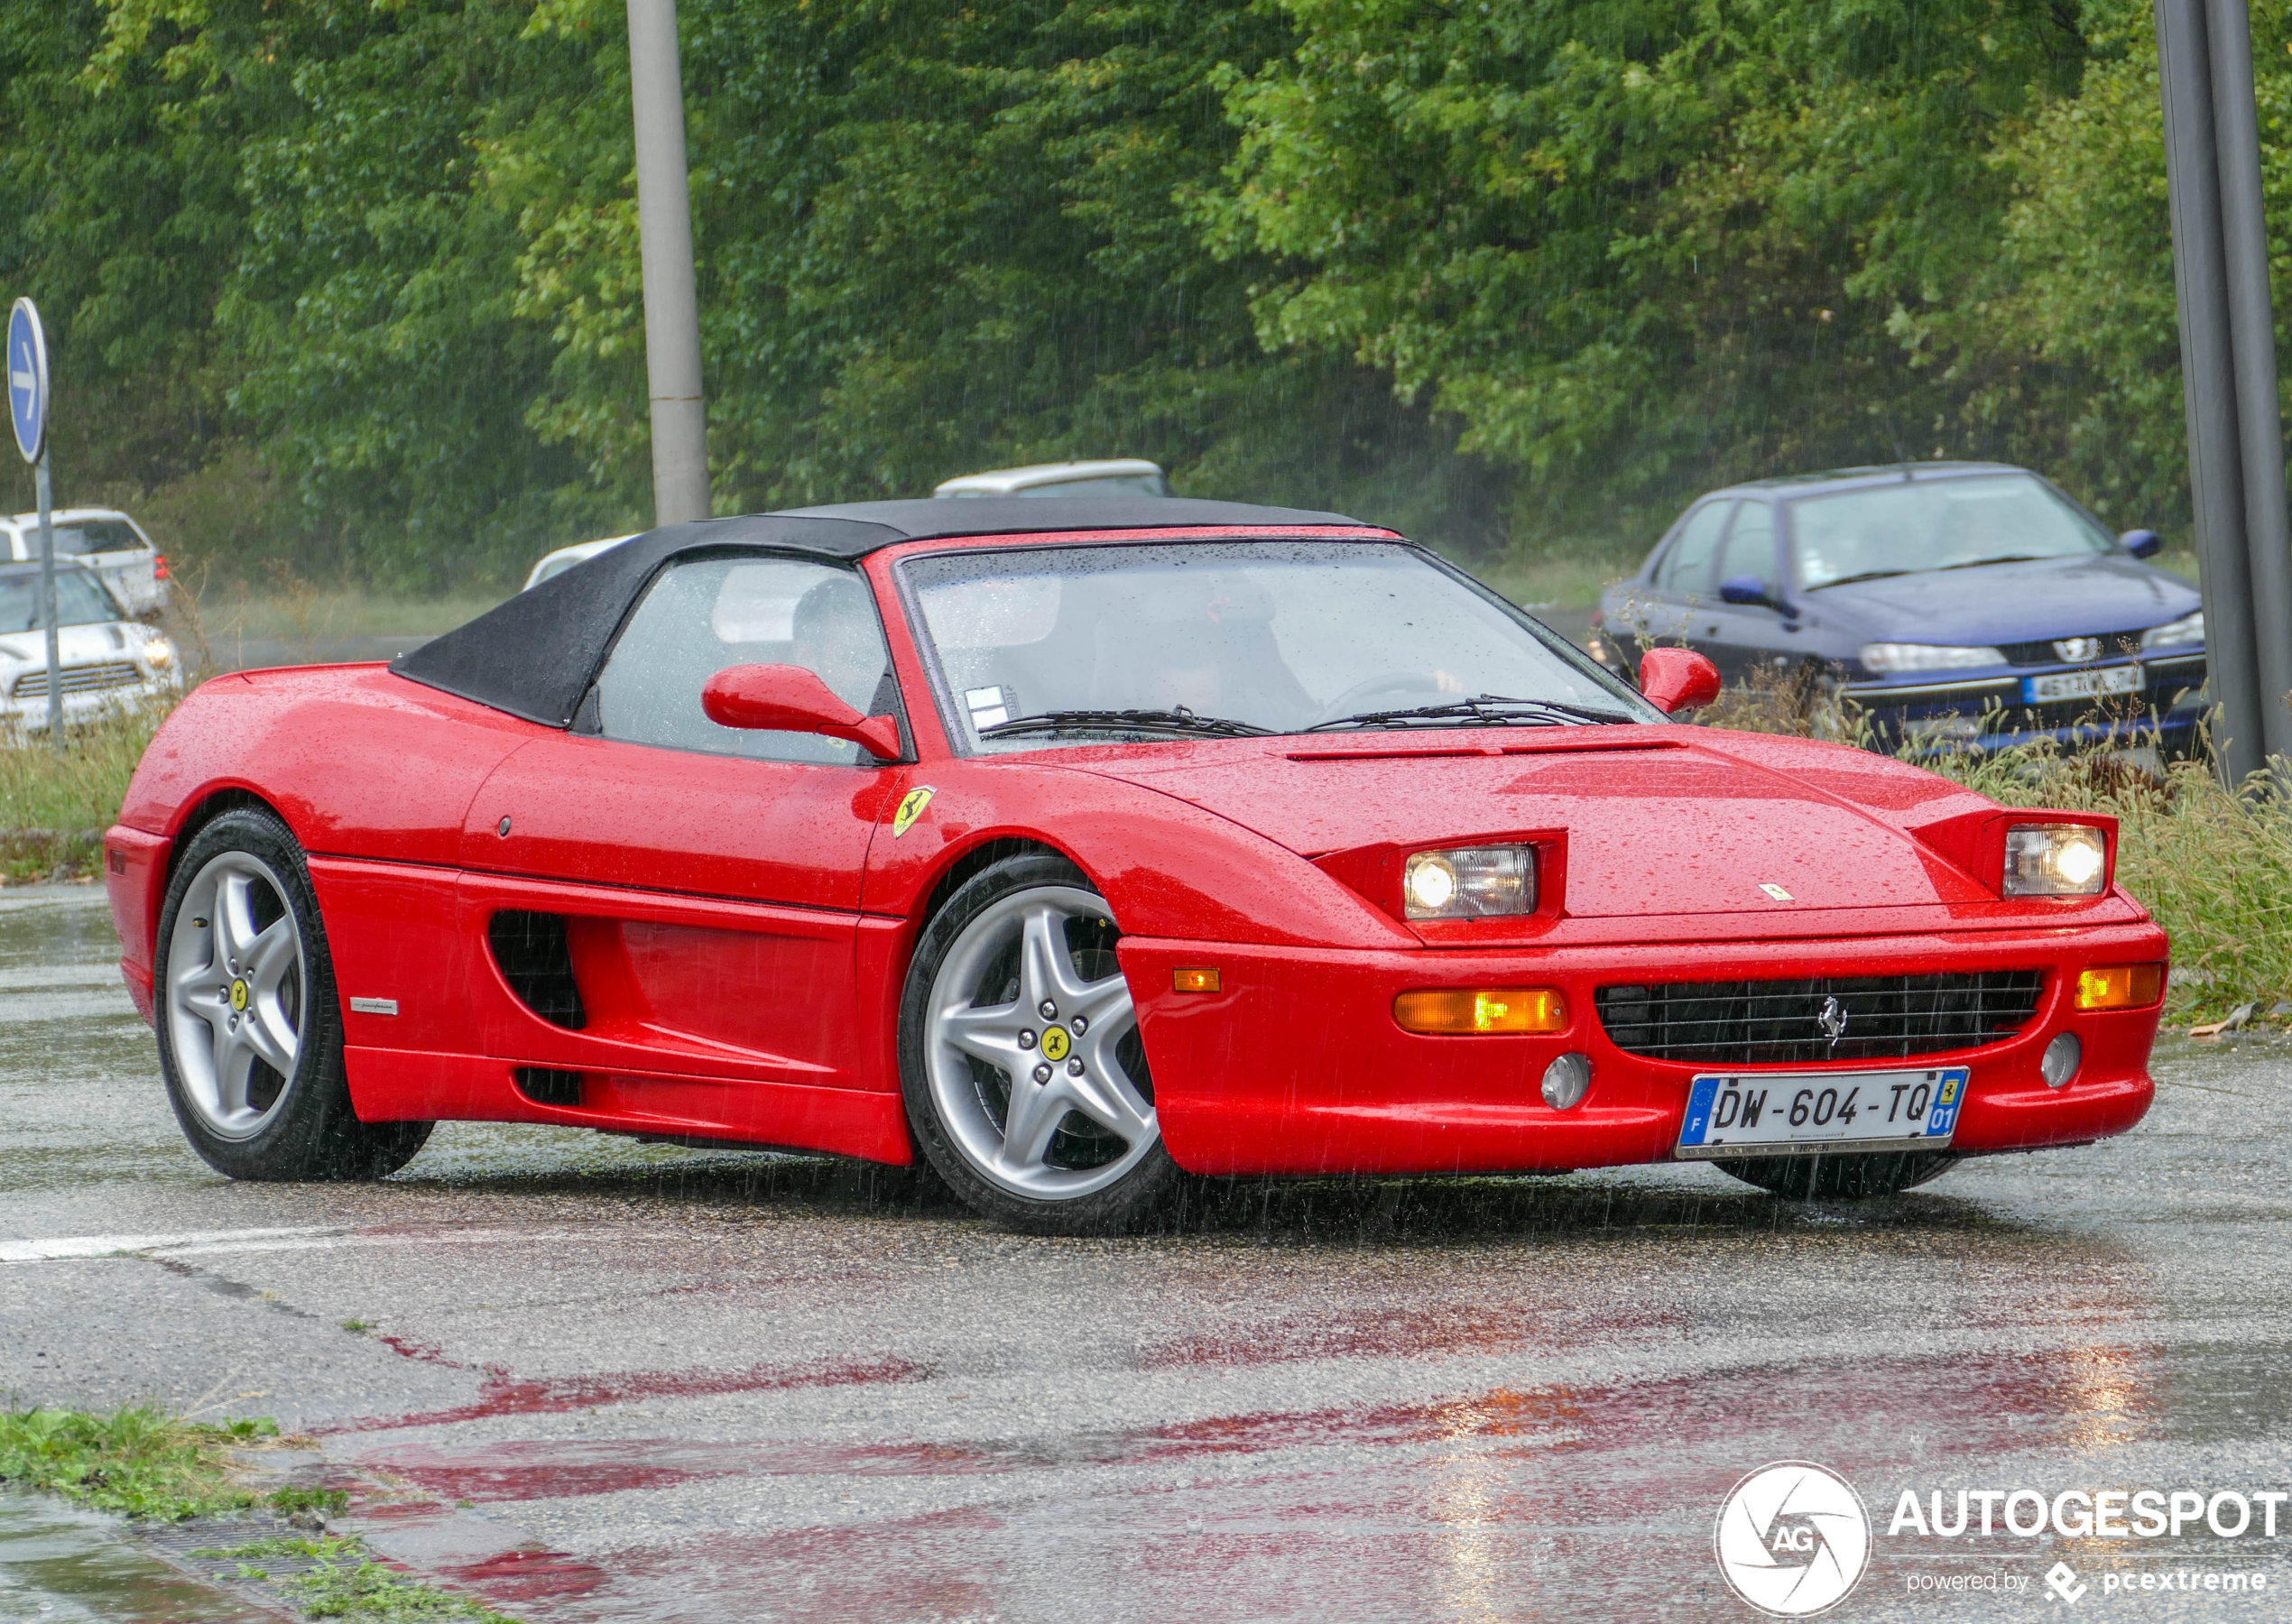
741	930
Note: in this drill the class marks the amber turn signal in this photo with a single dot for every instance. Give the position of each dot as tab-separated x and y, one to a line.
2121	986
1442	1011
1195	980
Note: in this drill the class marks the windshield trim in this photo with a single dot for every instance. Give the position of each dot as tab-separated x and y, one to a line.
927	648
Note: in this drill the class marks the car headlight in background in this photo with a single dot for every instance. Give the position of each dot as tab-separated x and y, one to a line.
2188	629
1891	656
2055	860
160	652
1469	882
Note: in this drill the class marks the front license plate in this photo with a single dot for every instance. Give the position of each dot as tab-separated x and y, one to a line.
1736	1115
2081	684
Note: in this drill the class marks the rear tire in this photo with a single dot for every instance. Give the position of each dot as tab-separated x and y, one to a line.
1024	1076
1840	1177
250	1033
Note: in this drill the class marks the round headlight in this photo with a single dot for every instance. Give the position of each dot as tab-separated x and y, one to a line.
2078	862
1431	881
158	651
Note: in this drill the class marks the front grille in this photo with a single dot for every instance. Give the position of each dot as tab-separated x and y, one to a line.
1780	1022
79	679
2114	645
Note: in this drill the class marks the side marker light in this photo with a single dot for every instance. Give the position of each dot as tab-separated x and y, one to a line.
1195	980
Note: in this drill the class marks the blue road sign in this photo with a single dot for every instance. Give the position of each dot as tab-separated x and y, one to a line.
28	379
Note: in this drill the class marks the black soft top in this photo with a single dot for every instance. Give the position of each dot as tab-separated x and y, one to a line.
536	655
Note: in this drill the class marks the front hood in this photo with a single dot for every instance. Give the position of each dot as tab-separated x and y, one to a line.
1659	820
75	645
2010	603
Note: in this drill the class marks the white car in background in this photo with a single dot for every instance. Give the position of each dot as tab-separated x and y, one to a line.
1114	476
565	557
103	539
109	660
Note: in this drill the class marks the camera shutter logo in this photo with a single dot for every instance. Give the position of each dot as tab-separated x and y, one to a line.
1793	1539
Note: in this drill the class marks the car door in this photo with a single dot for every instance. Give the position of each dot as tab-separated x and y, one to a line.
1666	609
660	896
1742	637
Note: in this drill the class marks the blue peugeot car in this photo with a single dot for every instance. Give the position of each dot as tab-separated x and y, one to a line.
1954	606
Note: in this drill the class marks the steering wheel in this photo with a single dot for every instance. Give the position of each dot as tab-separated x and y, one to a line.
1349	703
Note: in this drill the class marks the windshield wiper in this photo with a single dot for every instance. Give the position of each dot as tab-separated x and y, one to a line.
2001	558
1178	721
1484	710
1868	575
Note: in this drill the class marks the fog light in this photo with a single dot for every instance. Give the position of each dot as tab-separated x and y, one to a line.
1565	1081
2063	1056
1453	1010
2055	860
2119	986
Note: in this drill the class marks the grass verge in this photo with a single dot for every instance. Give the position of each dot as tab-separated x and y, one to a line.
55	803
333	1577
137	1461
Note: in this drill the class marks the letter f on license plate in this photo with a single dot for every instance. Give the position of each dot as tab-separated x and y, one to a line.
1741	1115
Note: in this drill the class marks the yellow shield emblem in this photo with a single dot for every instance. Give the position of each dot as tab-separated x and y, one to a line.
911	807
239	995
1055	1044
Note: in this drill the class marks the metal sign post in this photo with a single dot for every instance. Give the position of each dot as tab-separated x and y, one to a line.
28	409
664	244
2228	374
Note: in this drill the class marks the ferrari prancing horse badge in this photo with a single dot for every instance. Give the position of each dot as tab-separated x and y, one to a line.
910	808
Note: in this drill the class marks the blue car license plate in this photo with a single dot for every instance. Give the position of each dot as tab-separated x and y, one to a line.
1746	1114
2081	684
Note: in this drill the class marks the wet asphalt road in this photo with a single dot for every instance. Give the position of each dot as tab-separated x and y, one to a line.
595	1379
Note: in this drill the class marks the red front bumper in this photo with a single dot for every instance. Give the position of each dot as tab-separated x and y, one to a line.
1296	1066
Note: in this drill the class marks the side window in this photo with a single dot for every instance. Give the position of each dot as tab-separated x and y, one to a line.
1685	569
706	614
1750	546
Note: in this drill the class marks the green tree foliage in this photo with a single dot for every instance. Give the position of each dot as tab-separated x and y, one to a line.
366	271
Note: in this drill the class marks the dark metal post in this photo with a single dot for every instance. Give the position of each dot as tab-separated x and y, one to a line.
2251	319
664	231
2208	384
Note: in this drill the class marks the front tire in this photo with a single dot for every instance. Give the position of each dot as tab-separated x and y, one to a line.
1025	1078
250	1033
1840	1177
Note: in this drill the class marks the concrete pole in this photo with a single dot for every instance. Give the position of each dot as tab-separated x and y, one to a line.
2251	318
672	304
2209	384
48	616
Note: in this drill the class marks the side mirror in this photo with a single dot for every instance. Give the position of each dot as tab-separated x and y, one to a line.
1678	680
786	699
2142	543
1745	589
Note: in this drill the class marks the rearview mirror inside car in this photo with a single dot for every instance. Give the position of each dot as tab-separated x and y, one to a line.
1678	680
787	698
2142	543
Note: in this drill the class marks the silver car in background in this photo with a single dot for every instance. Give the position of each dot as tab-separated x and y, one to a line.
103	539
109	660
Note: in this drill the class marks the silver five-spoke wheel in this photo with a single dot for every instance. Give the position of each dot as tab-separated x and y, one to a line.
236	992
1031	1050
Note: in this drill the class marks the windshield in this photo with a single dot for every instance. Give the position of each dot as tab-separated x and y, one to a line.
1264	636
1938	524
80	600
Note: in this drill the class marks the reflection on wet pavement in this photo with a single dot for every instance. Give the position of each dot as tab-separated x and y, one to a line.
595	1379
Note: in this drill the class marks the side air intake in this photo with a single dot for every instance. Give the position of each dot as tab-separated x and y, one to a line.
537	961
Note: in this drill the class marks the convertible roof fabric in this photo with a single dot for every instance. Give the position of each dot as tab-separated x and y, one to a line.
536	655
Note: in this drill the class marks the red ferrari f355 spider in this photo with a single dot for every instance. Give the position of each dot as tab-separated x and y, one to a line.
1076	847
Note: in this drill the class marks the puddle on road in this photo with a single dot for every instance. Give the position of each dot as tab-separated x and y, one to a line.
58	1565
